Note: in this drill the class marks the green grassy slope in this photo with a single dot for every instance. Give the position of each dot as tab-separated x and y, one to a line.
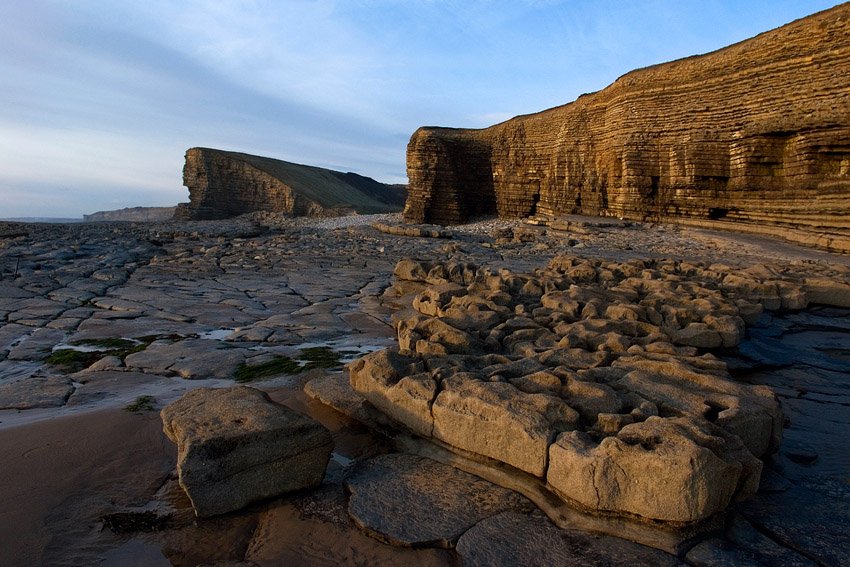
327	187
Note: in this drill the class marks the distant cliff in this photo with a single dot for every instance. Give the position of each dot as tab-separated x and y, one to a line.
137	214
757	133
225	184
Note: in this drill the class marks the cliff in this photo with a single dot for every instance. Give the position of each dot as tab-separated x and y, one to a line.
756	134
225	184
135	214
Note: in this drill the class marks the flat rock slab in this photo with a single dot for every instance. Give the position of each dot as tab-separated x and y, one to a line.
414	501
744	546
816	521
511	539
36	346
190	358
36	392
235	446
334	390
314	530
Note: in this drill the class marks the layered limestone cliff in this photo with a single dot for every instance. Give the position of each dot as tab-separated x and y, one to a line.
225	184
757	133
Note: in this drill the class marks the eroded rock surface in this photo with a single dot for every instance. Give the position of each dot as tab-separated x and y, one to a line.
263	286
755	133
586	374
236	446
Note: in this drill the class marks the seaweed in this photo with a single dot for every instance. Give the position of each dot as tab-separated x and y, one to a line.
275	367
69	360
111	343
142	403
319	357
308	359
72	360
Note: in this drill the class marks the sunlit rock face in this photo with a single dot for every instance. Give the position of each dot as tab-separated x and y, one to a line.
226	184
592	377
757	132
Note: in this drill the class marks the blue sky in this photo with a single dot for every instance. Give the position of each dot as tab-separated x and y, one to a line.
100	99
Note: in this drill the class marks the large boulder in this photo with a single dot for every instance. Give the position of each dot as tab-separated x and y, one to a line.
496	420
674	470
236	446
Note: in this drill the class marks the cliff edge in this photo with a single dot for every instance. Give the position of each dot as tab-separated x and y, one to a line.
755	136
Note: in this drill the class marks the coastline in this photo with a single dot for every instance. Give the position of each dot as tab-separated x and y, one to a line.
311	281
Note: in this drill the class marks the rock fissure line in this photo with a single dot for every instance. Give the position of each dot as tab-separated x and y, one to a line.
786	543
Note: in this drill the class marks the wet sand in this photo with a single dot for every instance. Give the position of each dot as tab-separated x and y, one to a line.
59	475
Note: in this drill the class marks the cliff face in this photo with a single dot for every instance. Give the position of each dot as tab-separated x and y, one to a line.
225	184
758	132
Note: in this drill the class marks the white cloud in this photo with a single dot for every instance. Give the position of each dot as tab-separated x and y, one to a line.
101	95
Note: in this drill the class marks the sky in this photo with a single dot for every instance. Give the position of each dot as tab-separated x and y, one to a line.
100	99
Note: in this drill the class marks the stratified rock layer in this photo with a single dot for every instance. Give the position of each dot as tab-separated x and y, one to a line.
757	133
225	184
588	375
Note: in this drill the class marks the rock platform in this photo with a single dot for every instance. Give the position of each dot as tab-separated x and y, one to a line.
195	300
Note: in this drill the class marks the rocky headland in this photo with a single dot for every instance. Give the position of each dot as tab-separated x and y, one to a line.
753	137
227	184
132	214
644	394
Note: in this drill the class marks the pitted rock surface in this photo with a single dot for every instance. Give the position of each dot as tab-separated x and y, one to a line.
579	374
414	501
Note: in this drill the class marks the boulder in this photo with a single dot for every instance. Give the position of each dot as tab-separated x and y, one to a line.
236	446
673	470
497	420
384	378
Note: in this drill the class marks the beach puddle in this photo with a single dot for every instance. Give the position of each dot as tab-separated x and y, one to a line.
217	334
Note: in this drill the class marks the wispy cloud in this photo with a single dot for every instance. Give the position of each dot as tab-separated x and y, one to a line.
99	100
